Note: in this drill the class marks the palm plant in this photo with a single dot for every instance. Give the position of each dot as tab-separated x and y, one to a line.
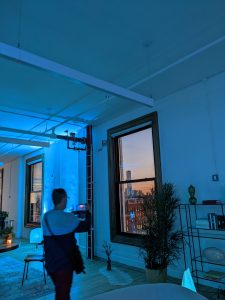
161	242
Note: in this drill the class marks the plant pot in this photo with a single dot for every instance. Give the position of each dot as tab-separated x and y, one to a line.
156	276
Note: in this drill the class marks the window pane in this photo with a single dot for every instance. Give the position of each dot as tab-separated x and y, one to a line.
36	179
136	159
131	200
35	207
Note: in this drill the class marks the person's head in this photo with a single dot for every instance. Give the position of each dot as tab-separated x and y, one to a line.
59	198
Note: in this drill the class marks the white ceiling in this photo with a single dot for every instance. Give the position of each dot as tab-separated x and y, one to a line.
144	45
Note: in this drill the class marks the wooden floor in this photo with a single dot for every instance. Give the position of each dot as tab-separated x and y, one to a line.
93	282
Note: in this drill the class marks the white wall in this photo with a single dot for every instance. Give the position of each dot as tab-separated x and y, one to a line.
191	131
60	170
11	198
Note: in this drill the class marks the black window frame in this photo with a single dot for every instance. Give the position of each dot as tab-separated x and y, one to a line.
144	122
1	187
29	163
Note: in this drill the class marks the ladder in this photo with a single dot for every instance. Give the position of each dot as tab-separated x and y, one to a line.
89	191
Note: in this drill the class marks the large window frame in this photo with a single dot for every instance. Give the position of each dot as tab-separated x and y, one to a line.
1	186
28	190
144	122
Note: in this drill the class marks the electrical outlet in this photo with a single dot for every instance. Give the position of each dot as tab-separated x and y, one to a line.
215	177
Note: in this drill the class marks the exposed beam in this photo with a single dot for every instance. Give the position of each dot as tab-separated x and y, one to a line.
25	57
23	142
179	61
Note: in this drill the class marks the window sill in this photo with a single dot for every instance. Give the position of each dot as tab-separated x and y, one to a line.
32	225
128	239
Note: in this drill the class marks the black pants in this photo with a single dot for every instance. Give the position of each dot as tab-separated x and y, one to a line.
62	280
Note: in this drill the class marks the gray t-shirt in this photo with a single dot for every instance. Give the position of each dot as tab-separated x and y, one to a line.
60	222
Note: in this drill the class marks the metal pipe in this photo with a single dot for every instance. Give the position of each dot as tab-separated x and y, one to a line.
23	142
47	135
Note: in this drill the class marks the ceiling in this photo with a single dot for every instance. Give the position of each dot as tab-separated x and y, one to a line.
152	47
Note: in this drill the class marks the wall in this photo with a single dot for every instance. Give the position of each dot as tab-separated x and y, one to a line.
191	126
12	193
60	170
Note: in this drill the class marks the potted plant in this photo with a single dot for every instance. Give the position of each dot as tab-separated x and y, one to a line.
108	251
161	242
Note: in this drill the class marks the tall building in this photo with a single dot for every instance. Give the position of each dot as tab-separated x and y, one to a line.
129	185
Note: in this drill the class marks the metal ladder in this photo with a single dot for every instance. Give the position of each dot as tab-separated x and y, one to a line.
89	191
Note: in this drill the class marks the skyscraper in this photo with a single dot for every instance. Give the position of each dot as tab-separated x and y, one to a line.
129	185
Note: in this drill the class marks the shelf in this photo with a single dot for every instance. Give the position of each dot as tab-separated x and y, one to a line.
201	275
206	261
205	233
194	236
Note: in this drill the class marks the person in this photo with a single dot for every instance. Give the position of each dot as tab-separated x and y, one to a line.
58	231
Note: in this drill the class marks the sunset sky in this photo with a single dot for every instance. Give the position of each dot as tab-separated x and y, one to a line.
137	149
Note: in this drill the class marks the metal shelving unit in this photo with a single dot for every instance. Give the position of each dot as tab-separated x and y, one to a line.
193	238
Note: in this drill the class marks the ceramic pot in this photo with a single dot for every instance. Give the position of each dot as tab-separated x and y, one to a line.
156	276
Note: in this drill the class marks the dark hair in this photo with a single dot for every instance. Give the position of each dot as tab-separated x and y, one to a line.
58	195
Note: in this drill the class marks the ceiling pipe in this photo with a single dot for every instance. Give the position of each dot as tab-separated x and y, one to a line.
23	142
28	58
47	135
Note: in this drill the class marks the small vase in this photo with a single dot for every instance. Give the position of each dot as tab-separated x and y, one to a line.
109	268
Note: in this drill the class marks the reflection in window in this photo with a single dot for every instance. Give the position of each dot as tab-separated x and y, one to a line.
34	190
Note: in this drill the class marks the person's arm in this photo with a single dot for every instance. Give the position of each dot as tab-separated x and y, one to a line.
84	226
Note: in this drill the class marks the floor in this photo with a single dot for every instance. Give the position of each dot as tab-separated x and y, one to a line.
94	282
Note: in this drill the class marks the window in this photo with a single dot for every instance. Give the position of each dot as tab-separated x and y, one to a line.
134	169
34	182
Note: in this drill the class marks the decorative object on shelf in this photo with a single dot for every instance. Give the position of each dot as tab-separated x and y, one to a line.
211	202
108	250
161	242
220	221
191	191
214	254
3	216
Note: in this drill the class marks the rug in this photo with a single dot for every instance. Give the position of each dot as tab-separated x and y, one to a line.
11	272
116	276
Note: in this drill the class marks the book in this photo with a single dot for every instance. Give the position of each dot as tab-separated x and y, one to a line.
221	222
212	217
211	202
212	274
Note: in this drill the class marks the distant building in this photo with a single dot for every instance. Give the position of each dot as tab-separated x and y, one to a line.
129	185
